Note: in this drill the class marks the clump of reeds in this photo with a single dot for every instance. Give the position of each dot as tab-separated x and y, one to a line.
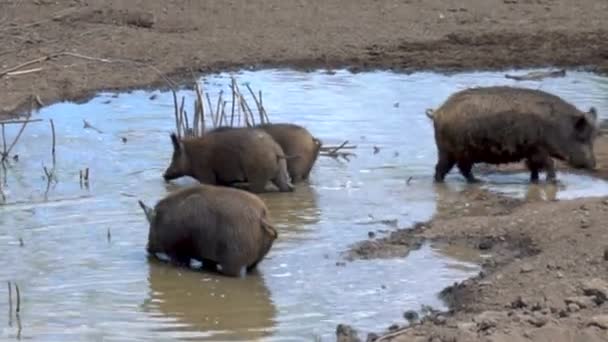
239	115
205	111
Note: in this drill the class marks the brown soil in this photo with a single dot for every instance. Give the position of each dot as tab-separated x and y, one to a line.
543	252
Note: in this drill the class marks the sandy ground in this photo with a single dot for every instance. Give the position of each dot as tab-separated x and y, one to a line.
547	279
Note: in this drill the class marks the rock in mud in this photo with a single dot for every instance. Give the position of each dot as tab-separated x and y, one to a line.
526	268
580	301
410	315
600	321
597	288
346	333
489	319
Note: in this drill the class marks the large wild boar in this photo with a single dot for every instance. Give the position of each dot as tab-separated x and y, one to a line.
212	224
240	155
297	143
503	124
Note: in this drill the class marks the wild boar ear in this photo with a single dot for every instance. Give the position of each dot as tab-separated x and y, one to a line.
580	123
150	212
593	112
177	144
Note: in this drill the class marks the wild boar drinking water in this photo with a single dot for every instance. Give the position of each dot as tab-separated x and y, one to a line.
212	224
297	143
503	124
242	155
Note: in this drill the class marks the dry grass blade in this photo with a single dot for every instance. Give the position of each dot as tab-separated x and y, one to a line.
257	103
53	148
10	304
232	84
181	117
200	109
7	152
211	114
176	112
217	110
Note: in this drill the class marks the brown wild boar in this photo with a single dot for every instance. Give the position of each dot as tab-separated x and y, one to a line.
297	143
240	155
212	224
503	124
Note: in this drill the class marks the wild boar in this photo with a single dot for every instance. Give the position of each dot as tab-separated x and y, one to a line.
212	224
501	124
297	143
240	155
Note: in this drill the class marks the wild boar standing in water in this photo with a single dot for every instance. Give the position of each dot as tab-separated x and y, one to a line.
503	124
212	224
297	143
240	155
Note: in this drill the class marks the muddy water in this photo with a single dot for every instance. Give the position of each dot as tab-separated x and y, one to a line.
83	271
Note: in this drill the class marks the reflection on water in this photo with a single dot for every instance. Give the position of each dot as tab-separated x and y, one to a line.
203	305
79	285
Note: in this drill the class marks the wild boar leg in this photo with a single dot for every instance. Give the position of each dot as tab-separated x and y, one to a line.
232	269
444	164
209	265
465	168
282	179
540	161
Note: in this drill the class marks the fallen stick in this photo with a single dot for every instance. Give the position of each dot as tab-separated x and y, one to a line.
23	72
87	125
10	122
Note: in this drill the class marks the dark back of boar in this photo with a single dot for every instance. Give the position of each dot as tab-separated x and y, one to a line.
506	124
300	147
297	143
229	156
215	225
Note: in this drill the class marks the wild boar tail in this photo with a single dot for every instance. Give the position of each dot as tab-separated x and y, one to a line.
269	228
429	113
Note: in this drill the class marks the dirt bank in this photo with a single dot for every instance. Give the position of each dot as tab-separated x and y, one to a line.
546	279
181	36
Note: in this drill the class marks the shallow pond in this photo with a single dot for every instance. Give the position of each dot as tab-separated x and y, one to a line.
83	270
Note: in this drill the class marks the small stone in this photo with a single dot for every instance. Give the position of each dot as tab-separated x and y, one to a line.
371	337
584	223
485	244
559	275
580	301
488	319
466	326
600	321
340	263
605	202
393	327
526	268
519	303
410	315
606	253
371	235
538	320
440	320
596	287
573	308
345	333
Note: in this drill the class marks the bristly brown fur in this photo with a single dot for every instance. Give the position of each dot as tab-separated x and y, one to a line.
506	124
225	157
213	224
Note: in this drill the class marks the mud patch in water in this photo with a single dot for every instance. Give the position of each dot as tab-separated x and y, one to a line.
79	282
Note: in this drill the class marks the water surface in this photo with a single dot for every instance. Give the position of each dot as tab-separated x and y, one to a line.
83	270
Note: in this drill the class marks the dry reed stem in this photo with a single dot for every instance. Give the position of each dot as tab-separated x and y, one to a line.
53	148
233	100
18	309
7	152
200	115
176	107
211	114
181	117
217	109
10	304
257	103
10	122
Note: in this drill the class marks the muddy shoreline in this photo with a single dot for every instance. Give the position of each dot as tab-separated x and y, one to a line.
542	252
